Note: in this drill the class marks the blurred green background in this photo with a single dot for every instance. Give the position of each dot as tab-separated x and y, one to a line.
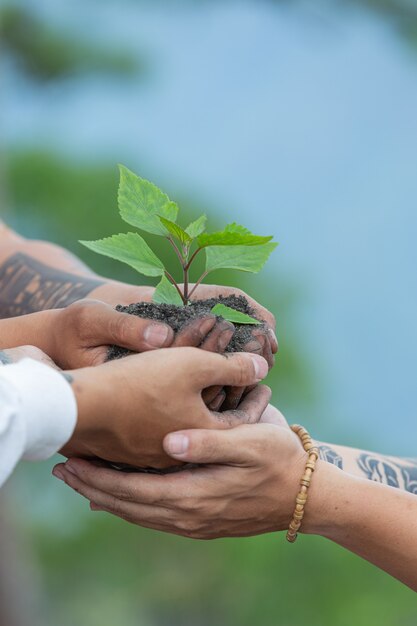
298	121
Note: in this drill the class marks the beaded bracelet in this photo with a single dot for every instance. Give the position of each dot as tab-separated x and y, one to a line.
301	499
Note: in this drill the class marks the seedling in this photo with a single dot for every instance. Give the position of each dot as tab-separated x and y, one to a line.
143	205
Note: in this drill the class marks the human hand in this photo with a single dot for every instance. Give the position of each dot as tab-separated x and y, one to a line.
127	406
247	486
80	335
264	343
263	340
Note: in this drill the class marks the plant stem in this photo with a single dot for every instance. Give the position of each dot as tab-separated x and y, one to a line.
193	257
177	251
186	297
200	280
173	281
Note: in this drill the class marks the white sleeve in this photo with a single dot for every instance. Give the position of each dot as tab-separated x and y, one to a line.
38	413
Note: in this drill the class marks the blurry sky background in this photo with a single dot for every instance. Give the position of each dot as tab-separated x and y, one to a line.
297	119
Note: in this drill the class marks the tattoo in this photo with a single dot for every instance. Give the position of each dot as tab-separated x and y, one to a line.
68	377
402	475
331	456
4	358
28	286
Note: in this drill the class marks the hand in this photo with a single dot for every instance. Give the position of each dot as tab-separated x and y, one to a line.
126	407
114	292
214	291
262	342
247	487
80	335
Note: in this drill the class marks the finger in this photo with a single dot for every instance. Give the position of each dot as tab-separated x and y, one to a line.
233	397
267	351
141	513
108	326
273	340
239	369
195	332
268	354
234	446
217	403
249	411
132	487
260	344
252	407
219	338
211	393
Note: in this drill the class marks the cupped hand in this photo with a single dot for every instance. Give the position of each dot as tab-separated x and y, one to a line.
263	340
80	335
127	406
247	486
114	292
217	335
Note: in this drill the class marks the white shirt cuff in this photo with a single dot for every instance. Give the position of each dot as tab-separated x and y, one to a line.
47	407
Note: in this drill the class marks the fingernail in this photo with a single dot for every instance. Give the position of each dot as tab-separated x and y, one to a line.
176	444
156	335
94	507
260	365
68	466
58	474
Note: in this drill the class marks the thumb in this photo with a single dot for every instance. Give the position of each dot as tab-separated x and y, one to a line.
108	326
236	446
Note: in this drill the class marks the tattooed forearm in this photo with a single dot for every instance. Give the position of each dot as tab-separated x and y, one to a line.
330	455
28	286
400	473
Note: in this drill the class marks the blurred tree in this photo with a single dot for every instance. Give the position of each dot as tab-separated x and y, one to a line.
45	54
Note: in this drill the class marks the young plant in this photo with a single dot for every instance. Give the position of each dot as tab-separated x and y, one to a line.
143	205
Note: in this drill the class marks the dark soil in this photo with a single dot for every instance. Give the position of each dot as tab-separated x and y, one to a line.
178	317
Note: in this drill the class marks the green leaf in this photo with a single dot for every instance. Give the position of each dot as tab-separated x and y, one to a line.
246	258
196	228
165	292
232	235
231	315
177	231
141	203
129	248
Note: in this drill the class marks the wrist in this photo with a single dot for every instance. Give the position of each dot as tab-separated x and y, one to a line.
93	407
327	507
46	336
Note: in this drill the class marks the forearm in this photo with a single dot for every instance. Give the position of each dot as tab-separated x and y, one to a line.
388	470
37	275
376	522
28	330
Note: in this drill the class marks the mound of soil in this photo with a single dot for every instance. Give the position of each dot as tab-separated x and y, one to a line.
178	317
